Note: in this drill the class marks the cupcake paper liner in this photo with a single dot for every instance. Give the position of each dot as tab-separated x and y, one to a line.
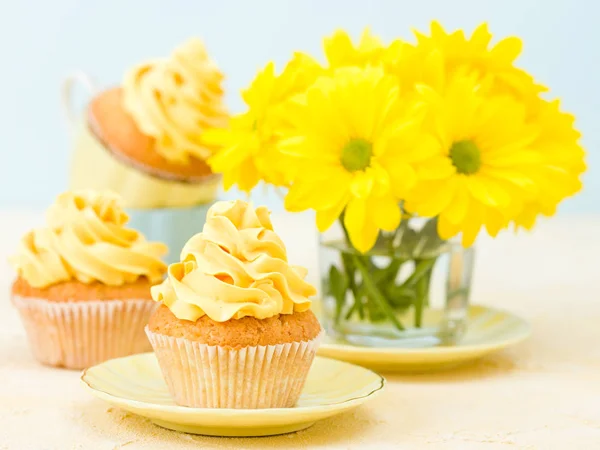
204	376
77	335
94	167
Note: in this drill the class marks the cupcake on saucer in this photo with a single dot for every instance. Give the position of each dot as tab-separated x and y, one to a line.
235	329
83	282
144	140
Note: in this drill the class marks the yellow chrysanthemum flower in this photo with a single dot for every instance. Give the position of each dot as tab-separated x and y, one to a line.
436	57
563	163
355	151
247	152
469	140
495	159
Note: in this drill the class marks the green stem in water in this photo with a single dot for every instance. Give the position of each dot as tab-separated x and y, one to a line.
376	294
350	269
350	311
422	267
350	272
422	288
428	285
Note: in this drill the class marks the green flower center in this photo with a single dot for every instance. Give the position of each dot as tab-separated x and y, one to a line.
466	157
356	155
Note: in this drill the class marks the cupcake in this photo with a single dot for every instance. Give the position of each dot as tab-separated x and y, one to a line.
235	329
144	140
83	282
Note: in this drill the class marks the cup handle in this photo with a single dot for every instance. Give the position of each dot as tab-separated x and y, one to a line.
69	84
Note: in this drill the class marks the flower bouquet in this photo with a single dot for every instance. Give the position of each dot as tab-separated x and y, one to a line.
406	152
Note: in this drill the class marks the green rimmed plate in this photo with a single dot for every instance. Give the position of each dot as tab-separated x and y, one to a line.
135	383
489	330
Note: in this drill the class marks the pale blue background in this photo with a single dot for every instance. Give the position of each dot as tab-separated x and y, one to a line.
42	41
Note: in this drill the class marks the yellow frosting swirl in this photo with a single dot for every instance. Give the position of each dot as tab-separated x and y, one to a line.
174	100
236	267
86	240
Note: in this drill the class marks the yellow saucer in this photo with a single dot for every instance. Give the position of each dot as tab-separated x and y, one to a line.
135	383
488	330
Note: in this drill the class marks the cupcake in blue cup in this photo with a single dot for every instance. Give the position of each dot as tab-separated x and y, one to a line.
144	140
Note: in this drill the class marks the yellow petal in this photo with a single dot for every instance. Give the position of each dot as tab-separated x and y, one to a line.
446	229
472	224
515	159
456	210
438	202
494	221
507	49
487	191
302	196
255	96
385	212
402	177
230	157
515	177
381	179
481	37
361	228
326	217
337	48
246	178
437	31
361	184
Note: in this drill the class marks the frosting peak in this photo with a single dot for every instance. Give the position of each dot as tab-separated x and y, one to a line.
236	267
174	100
86	240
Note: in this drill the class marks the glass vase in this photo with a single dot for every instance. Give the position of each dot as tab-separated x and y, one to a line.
410	290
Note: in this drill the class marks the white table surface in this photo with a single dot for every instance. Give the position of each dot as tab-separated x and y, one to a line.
541	394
